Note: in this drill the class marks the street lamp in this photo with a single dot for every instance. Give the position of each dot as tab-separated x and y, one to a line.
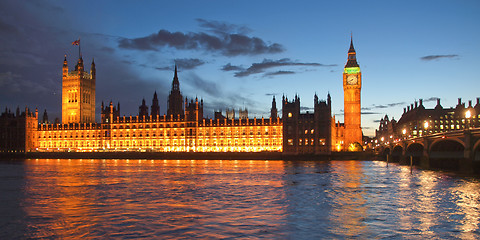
468	114
404	132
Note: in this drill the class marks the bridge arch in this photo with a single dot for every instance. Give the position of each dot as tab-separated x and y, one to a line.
397	153
476	153
446	153
443	140
385	151
415	150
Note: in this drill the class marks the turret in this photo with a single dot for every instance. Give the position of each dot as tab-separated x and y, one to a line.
45	117
143	109
155	108
93	71
175	82
273	110
79	67
65	66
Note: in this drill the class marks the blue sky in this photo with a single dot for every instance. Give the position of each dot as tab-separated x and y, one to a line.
240	53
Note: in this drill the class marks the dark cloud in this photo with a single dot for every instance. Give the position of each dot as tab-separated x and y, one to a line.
271	94
188	63
223	28
435	57
376	121
370	113
107	49
230	67
210	88
216	98
278	73
227	39
162	68
303	108
7	28
431	99
383	106
268	63
32	53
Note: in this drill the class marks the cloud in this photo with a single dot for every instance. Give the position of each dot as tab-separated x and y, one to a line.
271	94
227	39
230	67
431	99
107	49
383	106
436	57
222	27
279	73
188	63
210	88
303	108
268	63
369	113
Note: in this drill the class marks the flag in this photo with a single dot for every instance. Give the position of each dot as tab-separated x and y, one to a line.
76	42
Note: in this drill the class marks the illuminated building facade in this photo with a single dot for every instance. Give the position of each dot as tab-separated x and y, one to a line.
417	121
184	129
78	93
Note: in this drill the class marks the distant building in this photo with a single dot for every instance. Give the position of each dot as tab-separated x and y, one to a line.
243	113
417	121
230	113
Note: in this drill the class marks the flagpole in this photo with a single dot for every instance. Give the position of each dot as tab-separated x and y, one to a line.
79	52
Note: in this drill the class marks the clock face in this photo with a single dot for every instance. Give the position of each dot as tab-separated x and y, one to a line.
352	80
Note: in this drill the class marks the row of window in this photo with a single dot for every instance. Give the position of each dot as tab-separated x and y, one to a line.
307	141
180	142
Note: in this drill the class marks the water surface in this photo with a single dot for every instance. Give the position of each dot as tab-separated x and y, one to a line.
50	198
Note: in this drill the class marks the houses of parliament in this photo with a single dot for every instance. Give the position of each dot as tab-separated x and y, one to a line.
183	128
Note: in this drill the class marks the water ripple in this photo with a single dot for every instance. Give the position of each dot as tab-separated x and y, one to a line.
183	199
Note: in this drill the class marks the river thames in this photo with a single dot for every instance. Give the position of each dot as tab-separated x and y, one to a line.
72	199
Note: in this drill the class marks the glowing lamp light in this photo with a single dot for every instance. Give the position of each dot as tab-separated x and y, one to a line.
468	114
404	131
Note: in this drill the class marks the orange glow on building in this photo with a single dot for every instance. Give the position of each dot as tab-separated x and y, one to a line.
161	134
184	129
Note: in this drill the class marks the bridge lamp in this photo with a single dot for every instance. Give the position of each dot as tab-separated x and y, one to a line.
404	131
468	114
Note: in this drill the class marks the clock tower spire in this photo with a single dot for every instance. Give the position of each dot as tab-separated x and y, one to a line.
352	85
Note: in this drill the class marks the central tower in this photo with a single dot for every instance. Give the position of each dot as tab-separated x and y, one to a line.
78	93
352	86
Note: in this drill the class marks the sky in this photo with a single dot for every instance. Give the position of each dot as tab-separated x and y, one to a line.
239	54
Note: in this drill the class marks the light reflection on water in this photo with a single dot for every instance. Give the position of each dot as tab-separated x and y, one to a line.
50	198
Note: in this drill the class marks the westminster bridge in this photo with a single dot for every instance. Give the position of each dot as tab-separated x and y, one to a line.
455	150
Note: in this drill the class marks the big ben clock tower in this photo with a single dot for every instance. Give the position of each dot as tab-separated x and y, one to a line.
352	85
